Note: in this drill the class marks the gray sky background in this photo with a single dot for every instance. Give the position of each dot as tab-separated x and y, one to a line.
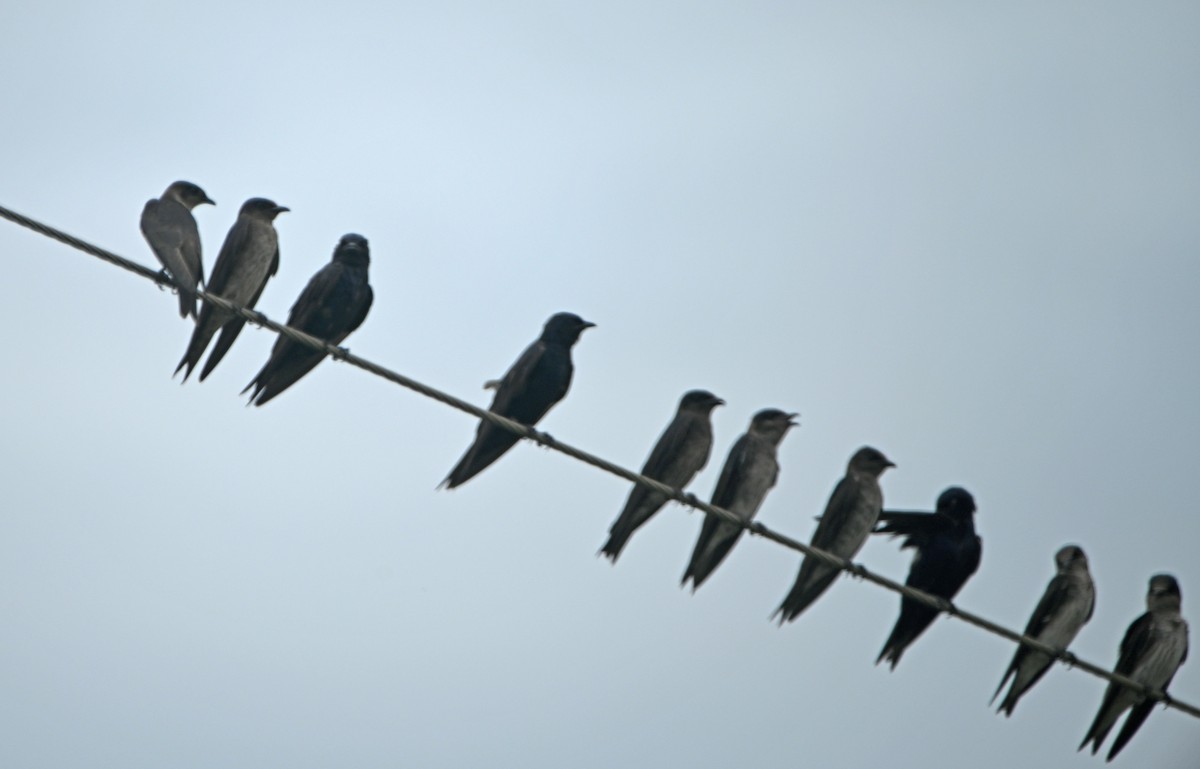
966	236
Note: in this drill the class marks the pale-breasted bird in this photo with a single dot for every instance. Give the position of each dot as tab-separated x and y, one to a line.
249	256
681	452
1065	606
850	515
1153	648
750	471
170	229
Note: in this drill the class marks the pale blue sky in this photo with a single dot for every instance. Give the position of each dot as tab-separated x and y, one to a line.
967	236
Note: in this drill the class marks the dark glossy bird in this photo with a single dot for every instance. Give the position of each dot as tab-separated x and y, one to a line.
948	552
681	452
249	256
750	471
1065	606
538	380
170	229
333	304
1154	647
850	515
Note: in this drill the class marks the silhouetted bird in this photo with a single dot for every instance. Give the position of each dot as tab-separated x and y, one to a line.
170	229
333	304
249	256
850	515
1065	606
538	380
947	555
750	471
680	453
1154	647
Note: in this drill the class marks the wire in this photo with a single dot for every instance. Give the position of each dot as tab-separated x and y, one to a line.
543	439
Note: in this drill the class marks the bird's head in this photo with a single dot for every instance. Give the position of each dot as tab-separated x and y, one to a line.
564	328
1164	593
1070	556
870	461
352	249
773	424
957	504
261	208
188	194
701	401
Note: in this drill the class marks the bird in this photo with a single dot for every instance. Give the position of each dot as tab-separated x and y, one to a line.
248	258
948	552
750	471
170	229
539	379
850	515
333	304
681	452
1153	648
1065	607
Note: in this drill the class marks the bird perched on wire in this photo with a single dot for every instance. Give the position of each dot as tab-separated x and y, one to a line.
538	380
750	471
333	304
681	452
850	515
1153	648
170	229
1065	607
249	257
948	552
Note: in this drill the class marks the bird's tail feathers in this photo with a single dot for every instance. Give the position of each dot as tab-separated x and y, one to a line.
201	336
1133	722
1007	675
891	655
612	548
187	304
1097	733
229	332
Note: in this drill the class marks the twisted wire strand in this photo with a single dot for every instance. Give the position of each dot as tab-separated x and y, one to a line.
544	439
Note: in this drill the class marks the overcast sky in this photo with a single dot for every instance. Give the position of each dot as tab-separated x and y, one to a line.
966	236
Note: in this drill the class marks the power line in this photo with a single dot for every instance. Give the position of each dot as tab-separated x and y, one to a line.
543	439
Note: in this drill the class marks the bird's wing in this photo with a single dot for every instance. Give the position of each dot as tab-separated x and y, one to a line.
232	249
1058	592
727	484
311	306
512	384
163	223
1137	641
943	563
841	506
357	320
670	455
916	528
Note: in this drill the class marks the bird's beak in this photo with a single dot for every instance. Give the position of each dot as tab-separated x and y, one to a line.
792	420
208	200
281	209
588	324
889	463
718	402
